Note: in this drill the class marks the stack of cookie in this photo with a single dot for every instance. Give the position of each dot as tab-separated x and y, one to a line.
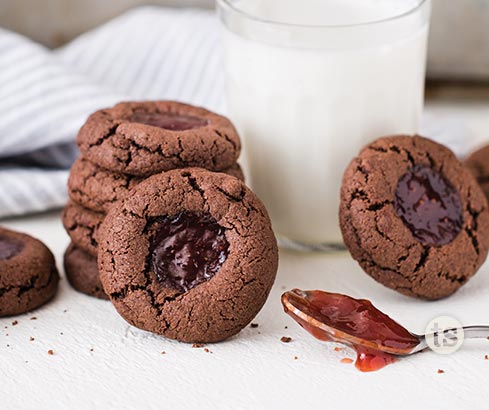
120	148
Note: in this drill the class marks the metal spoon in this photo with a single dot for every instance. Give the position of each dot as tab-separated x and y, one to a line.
298	304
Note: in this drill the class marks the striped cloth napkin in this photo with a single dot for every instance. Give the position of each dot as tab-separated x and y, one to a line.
147	53
45	95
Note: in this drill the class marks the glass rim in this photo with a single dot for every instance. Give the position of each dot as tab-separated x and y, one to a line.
230	4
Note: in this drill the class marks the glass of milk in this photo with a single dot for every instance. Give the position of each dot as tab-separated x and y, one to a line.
309	82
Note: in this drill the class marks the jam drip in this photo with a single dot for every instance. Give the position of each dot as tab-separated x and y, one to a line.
187	249
168	121
332	317
9	247
429	206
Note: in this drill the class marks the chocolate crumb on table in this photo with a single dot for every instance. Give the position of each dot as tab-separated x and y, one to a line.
440	371
31	339
50	352
15	323
296	357
486	357
33	318
198	345
285	339
254	325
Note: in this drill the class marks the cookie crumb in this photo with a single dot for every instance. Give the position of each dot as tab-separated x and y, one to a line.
15	323
440	371
346	360
50	352
286	327
91	349
163	352
486	357
285	339
33	318
296	357
254	325
65	310
198	345
207	350
31	339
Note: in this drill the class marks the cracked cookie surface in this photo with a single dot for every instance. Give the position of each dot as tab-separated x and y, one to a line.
82	272
97	189
443	240
82	225
224	224
28	274
145	138
478	164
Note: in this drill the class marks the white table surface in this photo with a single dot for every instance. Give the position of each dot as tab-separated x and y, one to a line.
254	370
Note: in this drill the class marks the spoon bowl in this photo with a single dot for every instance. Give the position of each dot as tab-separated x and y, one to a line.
296	304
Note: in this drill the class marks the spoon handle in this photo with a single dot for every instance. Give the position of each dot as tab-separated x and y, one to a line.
470	332
476	332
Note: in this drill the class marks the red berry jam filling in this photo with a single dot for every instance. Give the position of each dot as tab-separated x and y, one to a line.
188	249
9	247
429	206
168	121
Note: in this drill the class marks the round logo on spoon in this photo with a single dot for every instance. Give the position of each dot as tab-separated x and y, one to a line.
444	335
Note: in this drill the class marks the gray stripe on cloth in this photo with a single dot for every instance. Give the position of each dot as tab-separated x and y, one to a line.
45	95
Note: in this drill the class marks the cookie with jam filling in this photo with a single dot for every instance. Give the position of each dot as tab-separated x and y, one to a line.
190	255
414	217
28	274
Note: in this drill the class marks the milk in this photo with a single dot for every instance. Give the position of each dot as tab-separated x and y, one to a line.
305	100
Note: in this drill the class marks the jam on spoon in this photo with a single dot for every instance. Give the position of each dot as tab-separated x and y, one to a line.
332	317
